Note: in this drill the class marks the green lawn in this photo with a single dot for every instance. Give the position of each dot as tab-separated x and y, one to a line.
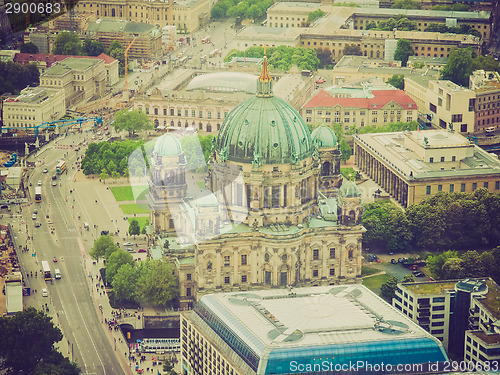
365	271
125	193
133	208
201	184
375	282
141	220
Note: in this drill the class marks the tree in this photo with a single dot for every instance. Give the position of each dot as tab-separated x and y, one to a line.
67	43
453	269
132	121
28	340
115	44
459	66
103	175
408	278
313	16
157	285
134	228
406	4
93	47
253	12
325	57
115	175
103	247
116	260
56	363
398	81
352	49
119	54
345	150
472	264
15	77
125	282
403	51
28	48
388	289
168	368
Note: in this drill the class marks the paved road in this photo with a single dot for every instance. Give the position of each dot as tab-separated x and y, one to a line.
77	313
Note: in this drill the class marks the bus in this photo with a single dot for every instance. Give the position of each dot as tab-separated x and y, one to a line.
153	345
60	167
38	194
205	40
46	271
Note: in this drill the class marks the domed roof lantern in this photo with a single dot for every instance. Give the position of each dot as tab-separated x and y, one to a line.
264	83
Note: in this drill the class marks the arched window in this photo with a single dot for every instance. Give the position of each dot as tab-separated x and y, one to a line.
351	254
209	128
157	123
112	12
172	123
325	171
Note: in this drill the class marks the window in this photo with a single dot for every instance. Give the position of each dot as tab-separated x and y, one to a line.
437	331
438	316
453	158
474	186
440	187
315	254
188	292
438	308
442	159
438	299
431	160
332	271
437	324
226	280
244	260
485	185
428	189
497	185
227	260
171	111
200	114
315	273
193	113
332	253
188	276
462	188
452	188
456	118
243	278
432	107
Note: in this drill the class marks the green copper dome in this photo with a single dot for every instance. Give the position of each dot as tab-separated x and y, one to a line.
324	137
167	145
264	130
349	190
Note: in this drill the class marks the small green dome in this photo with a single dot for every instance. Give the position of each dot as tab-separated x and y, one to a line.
324	137
264	130
349	190
167	145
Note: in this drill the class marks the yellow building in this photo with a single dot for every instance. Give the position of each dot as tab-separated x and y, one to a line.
188	14
480	21
290	14
34	106
381	44
413	165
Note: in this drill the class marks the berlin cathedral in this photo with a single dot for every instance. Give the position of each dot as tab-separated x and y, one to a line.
276	212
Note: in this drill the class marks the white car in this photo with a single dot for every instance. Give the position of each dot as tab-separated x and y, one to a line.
39	182
45	170
45	292
33	216
128	244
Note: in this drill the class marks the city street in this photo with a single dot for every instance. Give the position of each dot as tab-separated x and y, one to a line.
72	301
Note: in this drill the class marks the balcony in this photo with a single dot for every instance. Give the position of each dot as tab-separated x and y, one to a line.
423	321
423	313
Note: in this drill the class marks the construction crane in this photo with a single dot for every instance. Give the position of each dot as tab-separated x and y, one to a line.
171	22
126	63
61	123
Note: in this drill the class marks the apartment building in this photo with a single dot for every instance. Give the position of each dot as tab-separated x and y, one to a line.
413	165
359	106
463	314
188	15
480	21
34	106
451	106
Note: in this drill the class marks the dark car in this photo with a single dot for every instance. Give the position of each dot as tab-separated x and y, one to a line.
394	261
54	177
104	232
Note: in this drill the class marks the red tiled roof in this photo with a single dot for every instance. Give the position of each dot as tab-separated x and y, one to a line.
380	98
26	58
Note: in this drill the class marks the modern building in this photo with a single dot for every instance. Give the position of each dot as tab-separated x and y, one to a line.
145	40
188	15
270	216
310	330
32	107
81	79
382	44
449	105
359	105
463	314
413	165
44	61
480	21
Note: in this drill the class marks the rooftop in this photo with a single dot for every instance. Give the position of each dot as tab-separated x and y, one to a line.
487	338
279	322
491	300
431	287
421	13
116	26
69	64
393	149
50	59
